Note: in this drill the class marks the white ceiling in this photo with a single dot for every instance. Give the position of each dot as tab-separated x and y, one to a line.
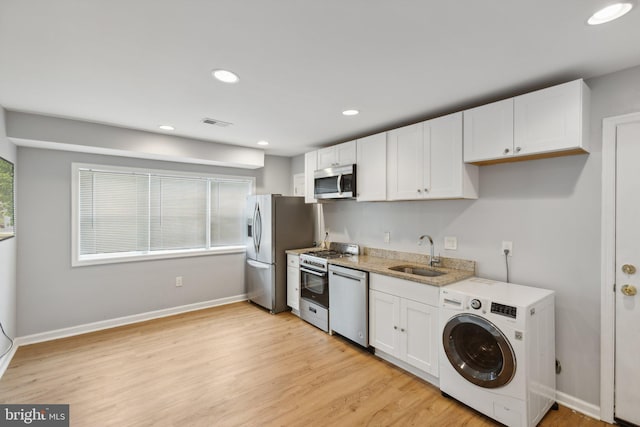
143	63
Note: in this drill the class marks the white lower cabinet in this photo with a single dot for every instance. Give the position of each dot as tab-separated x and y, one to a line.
293	282
403	321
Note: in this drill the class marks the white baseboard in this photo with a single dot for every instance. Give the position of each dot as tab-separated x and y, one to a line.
6	360
589	409
126	320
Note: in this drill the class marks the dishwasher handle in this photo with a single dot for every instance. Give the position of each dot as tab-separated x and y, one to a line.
348	273
347	276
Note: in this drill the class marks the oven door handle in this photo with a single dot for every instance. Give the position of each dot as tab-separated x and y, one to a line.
315	273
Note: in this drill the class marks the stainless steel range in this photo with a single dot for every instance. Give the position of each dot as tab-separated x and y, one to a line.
314	282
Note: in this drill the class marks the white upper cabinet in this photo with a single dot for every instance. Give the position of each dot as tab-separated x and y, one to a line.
488	131
310	166
425	162
547	123
406	163
450	177
552	119
371	168
337	155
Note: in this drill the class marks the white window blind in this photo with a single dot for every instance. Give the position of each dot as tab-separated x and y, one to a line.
128	213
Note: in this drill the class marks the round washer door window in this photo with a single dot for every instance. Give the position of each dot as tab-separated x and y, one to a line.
479	351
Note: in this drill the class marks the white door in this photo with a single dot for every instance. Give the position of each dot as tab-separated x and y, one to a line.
405	173
327	158
419	335
346	153
310	166
384	321
445	157
488	131
627	368
293	288
371	168
548	119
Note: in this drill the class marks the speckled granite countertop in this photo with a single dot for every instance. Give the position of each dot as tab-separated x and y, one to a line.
303	250
378	261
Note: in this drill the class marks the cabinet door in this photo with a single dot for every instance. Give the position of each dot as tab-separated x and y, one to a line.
346	153
405	153
488	131
337	155
310	166
445	156
371	168
327	158
299	184
419	335
384	321
293	288
549	119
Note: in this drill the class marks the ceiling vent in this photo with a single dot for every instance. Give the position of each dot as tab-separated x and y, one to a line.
216	122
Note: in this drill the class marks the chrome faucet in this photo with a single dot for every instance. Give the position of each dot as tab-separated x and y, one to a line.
432	259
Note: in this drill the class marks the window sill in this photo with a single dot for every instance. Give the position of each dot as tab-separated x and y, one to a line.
156	255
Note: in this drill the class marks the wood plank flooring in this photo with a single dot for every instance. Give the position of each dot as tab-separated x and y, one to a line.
234	365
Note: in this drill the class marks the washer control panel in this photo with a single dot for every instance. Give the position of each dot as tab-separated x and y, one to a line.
504	310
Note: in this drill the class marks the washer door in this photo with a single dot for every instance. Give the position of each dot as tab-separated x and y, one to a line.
479	351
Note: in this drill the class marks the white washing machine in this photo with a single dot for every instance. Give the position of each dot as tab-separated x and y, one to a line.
498	349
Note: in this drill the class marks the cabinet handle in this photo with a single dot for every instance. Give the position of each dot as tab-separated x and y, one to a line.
395	327
419	190
506	151
518	149
426	190
402	330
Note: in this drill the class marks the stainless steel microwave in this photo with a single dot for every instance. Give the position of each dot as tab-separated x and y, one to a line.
335	183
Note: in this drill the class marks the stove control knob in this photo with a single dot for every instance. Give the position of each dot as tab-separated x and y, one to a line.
476	304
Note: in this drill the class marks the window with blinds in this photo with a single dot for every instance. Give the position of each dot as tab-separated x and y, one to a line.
122	214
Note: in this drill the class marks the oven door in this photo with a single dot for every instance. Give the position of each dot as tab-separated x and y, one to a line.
314	286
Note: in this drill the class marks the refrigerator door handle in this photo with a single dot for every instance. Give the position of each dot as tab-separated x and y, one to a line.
259	222
255	228
258	264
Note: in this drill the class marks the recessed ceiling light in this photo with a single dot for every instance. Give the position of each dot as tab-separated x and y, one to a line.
263	142
225	76
350	112
166	127
609	13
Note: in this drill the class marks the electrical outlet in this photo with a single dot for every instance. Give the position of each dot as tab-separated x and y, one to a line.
387	236
178	281
506	245
451	243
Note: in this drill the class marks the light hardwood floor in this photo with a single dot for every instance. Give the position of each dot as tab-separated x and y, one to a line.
234	365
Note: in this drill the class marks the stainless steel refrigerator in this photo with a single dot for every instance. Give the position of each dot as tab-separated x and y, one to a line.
275	224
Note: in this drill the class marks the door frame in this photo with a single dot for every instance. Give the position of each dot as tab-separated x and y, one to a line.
608	263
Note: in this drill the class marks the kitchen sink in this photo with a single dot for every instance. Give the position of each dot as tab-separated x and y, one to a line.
418	271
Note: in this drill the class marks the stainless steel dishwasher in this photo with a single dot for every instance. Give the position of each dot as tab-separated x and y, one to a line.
349	303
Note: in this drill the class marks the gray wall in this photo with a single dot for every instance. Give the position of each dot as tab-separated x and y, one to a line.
52	295
76	135
550	209
7	256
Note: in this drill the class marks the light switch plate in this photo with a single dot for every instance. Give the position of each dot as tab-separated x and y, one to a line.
451	243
